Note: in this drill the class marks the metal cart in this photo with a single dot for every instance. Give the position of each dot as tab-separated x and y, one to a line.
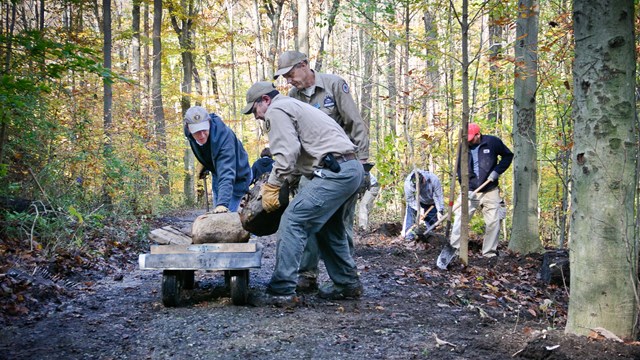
179	263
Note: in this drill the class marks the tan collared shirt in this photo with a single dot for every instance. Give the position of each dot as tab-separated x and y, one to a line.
299	136
331	94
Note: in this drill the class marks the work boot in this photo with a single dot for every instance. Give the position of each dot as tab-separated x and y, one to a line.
341	292
307	284
267	298
490	254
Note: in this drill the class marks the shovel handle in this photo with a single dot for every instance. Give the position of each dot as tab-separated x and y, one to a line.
446	216
427	212
206	191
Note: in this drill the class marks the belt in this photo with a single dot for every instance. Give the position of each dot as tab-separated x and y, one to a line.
340	158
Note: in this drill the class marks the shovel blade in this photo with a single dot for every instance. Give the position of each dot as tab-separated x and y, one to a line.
447	255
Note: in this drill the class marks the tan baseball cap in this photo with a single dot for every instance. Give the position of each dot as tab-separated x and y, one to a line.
255	92
287	61
197	119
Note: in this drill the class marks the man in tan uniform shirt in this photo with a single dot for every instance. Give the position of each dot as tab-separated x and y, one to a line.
305	141
331	94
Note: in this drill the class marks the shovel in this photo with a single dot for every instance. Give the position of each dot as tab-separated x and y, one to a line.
412	229
206	191
448	253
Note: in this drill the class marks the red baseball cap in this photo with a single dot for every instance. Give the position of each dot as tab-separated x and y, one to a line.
474	129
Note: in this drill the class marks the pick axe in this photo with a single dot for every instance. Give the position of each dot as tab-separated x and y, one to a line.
446	216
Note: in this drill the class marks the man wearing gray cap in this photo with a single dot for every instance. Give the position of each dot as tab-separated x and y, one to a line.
219	151
306	141
331	94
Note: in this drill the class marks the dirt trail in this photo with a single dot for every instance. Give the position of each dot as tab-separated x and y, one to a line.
410	310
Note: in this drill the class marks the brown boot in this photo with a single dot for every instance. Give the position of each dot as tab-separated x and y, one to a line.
307	284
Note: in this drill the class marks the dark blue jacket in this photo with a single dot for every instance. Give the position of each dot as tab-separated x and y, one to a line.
261	166
223	155
490	148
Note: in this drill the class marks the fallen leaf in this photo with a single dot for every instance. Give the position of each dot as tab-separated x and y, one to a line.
598	331
442	342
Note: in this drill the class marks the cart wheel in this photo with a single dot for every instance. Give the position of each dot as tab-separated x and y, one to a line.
239	281
171	287
188	279
227	279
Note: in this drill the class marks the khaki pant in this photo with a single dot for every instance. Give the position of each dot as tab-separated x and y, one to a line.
489	203
365	205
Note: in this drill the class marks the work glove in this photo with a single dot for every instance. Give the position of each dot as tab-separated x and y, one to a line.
201	171
366	181
220	209
270	197
440	215
493	176
365	185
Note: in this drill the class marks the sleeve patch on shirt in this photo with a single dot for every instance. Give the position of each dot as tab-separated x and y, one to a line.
345	88
267	125
486	151
329	102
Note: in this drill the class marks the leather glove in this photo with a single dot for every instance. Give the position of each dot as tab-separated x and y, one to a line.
220	209
440	215
201	171
493	176
270	197
365	185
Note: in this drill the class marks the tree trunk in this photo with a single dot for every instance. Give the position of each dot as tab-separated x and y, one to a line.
495	54
524	234
183	29
156	96
604	248
108	94
274	13
331	21
260	72
4	120
146	64
303	26
464	152
391	83
406	99
135	54
367	44
232	52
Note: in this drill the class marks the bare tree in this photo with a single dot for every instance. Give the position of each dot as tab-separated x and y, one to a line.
604	241
156	96
524	232
331	21
274	12
303	26
135	53
108	91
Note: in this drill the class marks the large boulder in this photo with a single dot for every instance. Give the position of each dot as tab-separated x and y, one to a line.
218	228
253	217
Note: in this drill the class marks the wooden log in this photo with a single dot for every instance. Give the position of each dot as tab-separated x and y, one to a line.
169	235
219	228
202	248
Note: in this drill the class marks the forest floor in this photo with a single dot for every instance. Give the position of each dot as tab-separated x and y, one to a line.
492	309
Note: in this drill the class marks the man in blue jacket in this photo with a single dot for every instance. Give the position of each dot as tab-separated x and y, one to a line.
219	151
262	165
489	158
